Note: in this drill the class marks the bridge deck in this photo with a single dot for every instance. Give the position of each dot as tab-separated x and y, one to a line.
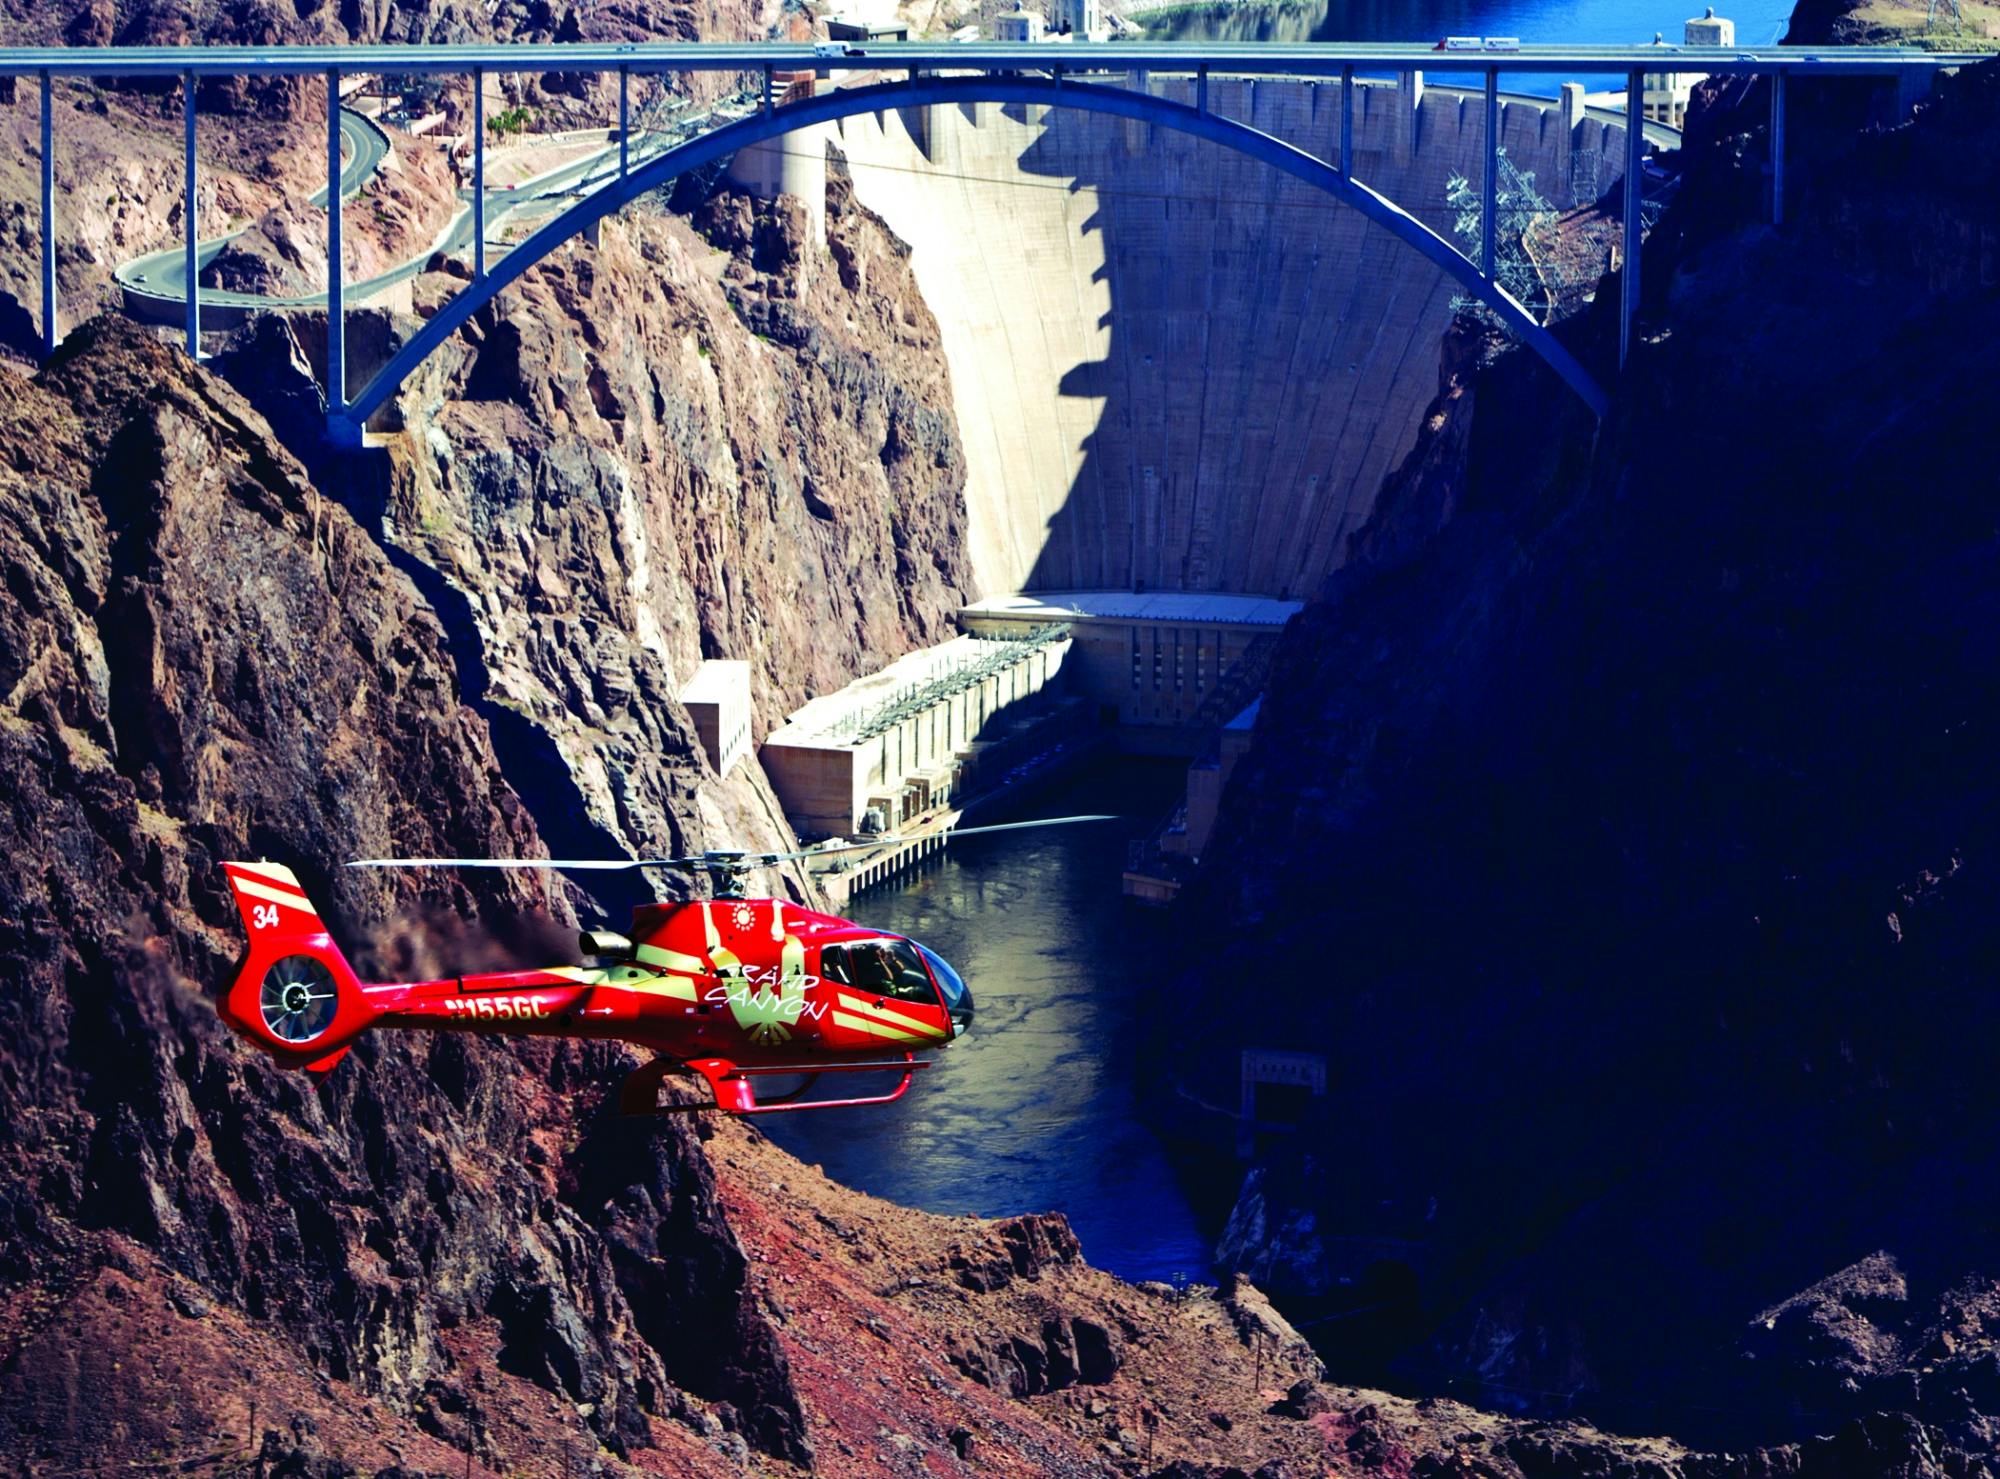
1317	59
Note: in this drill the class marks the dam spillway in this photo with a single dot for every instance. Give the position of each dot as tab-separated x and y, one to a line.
1175	368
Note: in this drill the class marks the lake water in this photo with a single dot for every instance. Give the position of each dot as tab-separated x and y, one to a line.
1535	22
1036	1109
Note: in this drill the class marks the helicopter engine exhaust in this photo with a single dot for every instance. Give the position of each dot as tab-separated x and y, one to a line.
605	944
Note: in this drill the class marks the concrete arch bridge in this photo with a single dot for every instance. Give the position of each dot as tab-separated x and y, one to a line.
1003	73
924	91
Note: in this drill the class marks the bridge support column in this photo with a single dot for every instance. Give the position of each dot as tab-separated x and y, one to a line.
48	218
1489	208
188	210
624	121
1635	153
478	173
336	320
1777	148
1409	106
1347	122
1571	115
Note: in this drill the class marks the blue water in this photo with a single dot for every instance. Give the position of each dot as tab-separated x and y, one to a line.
1535	22
1036	1110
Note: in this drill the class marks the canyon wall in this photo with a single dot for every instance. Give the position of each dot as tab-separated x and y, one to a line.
1618	814
204	659
451	1253
672	445
1174	367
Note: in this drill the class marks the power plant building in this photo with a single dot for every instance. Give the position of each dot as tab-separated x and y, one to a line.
717	698
905	741
1146	658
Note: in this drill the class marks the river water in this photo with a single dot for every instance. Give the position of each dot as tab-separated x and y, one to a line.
1535	22
1036	1109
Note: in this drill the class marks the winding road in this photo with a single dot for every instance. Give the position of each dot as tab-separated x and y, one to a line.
162	276
155	285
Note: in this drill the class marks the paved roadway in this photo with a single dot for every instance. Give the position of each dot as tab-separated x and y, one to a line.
1308	59
162	276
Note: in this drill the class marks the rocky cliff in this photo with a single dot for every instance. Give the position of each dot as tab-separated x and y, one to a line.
447	1254
1623	822
204	659
679	442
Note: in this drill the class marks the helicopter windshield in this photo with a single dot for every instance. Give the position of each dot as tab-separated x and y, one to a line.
957	1000
892	968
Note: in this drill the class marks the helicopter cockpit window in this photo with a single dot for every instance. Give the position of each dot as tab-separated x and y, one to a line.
890	968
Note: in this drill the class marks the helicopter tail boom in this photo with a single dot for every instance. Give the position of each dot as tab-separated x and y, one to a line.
295	996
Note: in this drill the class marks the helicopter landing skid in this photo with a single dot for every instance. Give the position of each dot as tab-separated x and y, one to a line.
734	1087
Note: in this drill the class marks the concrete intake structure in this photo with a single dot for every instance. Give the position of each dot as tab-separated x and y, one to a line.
1176	368
905	742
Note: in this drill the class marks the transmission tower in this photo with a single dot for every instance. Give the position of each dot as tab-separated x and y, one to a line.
1951	9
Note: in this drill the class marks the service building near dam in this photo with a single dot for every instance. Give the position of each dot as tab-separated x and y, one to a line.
1180	376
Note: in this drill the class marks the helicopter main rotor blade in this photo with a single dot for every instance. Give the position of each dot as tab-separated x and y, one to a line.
1020	826
719	858
890	839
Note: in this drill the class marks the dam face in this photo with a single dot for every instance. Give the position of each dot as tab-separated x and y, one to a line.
1174	367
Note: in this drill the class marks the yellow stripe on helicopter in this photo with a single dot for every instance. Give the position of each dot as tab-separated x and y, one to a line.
625	978
879	1029
890	1016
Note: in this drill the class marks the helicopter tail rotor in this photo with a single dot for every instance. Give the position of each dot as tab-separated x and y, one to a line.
295	995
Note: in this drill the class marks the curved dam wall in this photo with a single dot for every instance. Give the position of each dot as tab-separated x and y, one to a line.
1174	367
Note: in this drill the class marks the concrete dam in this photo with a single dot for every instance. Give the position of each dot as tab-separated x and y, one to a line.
1176	369
1180	377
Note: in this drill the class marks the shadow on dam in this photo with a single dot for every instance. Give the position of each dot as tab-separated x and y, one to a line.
1176	368
1248	406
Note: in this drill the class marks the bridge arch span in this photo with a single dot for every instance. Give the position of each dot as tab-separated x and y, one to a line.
924	91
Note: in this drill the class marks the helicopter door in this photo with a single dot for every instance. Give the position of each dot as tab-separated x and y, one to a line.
881	997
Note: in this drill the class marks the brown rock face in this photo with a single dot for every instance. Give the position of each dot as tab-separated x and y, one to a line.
282	256
653	452
205	660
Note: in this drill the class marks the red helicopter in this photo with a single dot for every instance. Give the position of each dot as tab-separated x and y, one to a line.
730	988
